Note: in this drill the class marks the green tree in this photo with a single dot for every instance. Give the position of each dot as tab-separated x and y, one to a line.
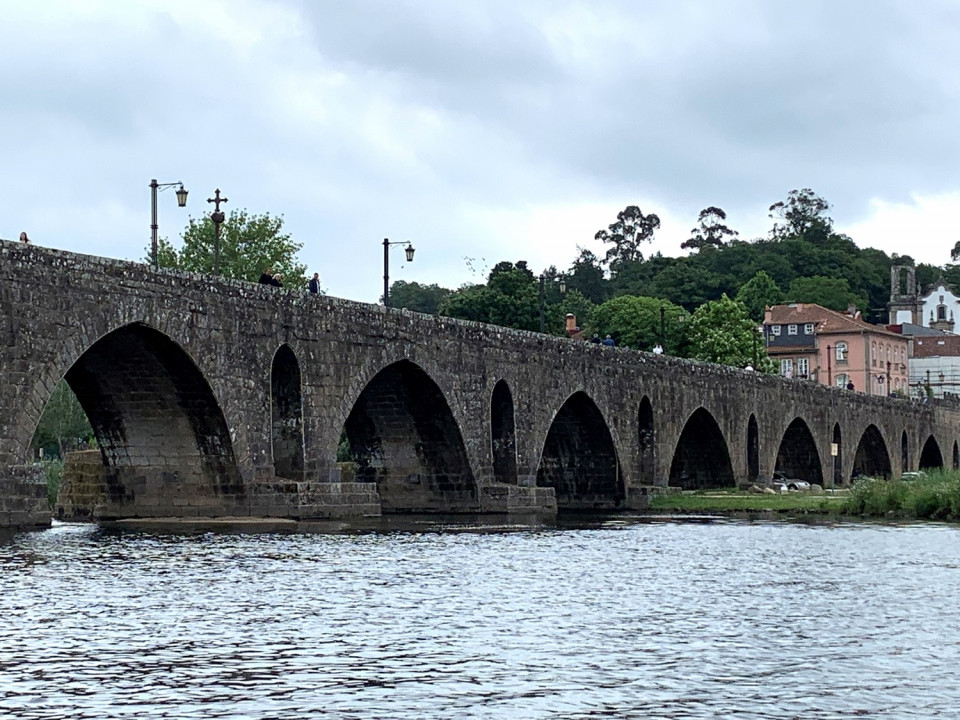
248	245
802	212
511	298
833	293
417	297
63	424
631	228
482	303
576	304
586	275
757	293
687	283
722	331
635	321
711	230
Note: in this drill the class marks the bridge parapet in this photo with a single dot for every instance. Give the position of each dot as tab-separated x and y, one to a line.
224	391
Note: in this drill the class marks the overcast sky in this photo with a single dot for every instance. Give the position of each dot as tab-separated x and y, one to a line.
478	130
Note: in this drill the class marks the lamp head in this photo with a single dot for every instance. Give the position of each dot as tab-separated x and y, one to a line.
181	196
408	250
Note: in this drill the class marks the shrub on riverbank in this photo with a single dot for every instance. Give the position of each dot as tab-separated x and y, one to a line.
54	473
933	496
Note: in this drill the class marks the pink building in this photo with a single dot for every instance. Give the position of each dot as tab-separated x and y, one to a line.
838	349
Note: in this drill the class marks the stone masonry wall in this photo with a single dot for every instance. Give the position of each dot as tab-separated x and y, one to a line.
55	306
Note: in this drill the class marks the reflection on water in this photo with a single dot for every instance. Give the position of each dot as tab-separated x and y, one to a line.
617	619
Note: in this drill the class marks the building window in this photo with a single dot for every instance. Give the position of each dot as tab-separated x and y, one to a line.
808	329
803	367
786	367
841	350
888	353
873	353
842	380
775	329
791	329
941	312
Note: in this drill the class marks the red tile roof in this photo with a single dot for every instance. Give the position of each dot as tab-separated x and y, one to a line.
825	319
934	346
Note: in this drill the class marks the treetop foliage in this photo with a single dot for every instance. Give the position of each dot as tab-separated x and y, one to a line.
802	212
710	231
631	228
249	244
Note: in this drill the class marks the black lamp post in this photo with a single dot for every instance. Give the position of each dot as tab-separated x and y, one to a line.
181	201
218	217
756	337
663	332
543	308
408	251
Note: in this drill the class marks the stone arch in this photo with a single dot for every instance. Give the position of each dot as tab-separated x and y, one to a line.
503	439
753	449
904	452
579	459
797	456
701	459
837	452
154	415
871	457
930	457
72	343
286	414
403	436
646	443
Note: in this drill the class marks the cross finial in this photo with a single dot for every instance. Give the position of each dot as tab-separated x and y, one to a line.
216	199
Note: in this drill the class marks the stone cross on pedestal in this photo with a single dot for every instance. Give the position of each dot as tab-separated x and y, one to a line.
217	217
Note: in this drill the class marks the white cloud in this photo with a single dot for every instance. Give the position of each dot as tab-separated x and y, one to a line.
924	228
493	129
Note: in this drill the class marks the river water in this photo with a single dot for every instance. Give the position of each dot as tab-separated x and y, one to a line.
625	618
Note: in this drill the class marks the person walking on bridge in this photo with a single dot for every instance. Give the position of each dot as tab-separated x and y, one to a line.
315	284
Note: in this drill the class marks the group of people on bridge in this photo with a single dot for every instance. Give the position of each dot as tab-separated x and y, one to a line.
276	280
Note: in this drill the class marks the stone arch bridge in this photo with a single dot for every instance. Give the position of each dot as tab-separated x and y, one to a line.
212	397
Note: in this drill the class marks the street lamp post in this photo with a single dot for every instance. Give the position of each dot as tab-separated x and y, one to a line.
181	201
756	336
408	251
663	332
543	308
217	217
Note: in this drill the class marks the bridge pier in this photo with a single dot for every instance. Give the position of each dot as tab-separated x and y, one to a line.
23	497
91	491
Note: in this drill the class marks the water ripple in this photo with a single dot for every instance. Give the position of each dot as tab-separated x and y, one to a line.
615	620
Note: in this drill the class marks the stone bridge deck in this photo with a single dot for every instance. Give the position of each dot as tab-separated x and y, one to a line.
214	397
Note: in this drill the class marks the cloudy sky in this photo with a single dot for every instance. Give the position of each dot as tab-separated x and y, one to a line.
478	130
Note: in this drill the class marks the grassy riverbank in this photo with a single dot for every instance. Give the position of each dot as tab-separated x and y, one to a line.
932	496
736	501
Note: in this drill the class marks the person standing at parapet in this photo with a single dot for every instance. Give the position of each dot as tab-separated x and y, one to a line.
268	278
24	238
315	284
